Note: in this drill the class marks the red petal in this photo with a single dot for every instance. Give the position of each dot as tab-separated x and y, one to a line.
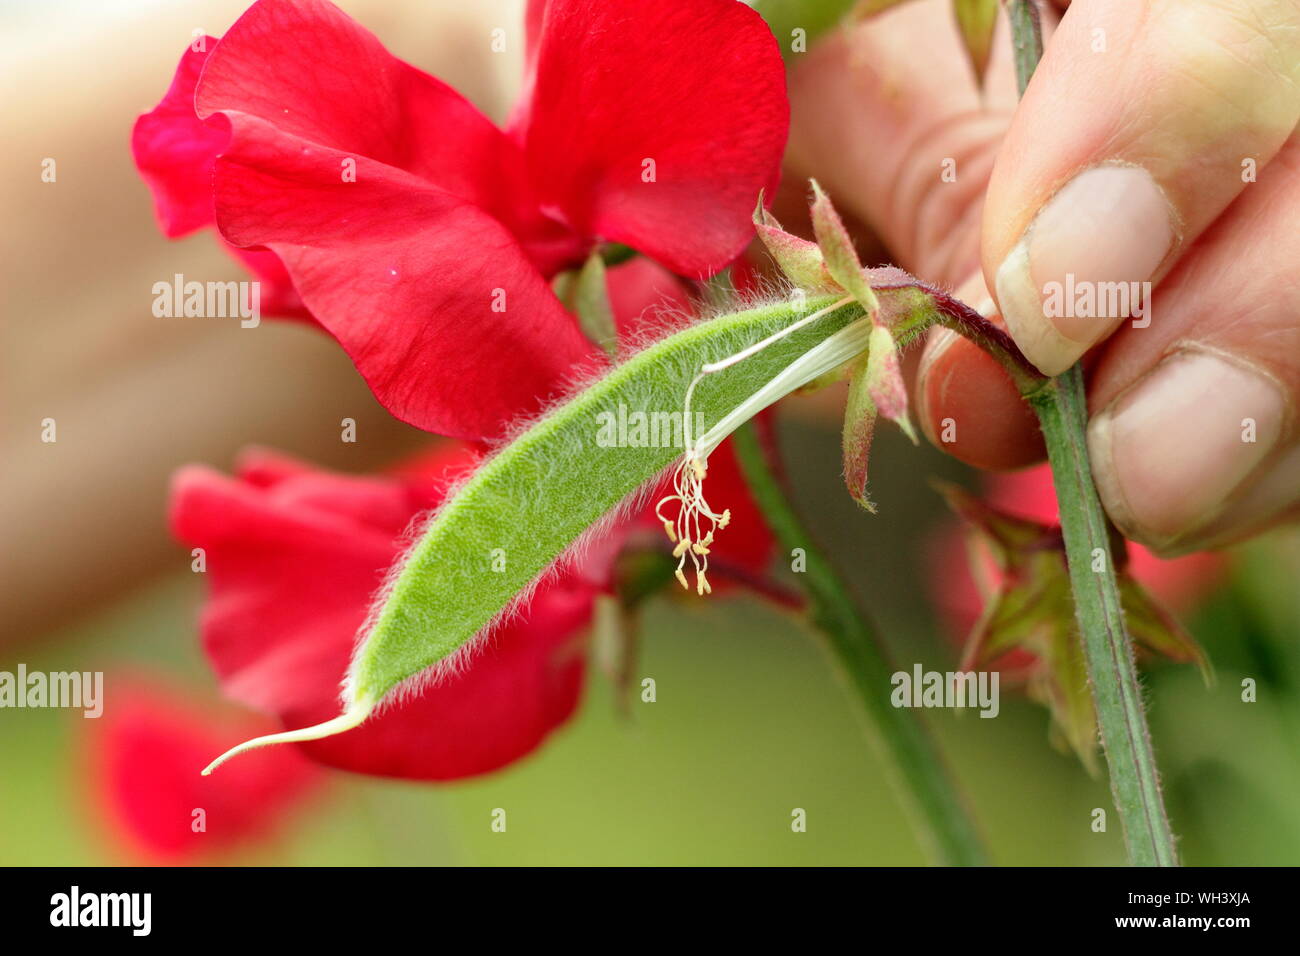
294	557
406	277
175	152
699	88
145	754
319	77
403	265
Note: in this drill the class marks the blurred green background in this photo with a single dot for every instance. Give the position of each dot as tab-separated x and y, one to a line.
749	723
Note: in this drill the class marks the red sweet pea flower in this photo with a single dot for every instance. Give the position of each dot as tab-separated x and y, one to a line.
141	758
294	557
420	235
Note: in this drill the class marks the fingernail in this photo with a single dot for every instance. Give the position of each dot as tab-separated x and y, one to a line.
1170	451
1057	289
1267	498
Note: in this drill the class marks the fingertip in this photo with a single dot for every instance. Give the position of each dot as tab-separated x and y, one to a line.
969	408
1176	471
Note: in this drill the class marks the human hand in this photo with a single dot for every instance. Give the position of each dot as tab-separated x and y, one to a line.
1156	145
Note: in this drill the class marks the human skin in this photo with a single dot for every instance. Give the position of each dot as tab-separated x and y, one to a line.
1156	143
134	396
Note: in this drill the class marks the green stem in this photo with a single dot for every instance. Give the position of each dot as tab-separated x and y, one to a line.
1062	409
938	814
1134	781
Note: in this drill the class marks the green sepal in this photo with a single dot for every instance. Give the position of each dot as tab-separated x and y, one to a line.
976	20
1032	609
837	250
591	304
884	375
855	438
798	259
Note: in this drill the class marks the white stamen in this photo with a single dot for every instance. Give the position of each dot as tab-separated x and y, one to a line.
774	337
692	530
829	354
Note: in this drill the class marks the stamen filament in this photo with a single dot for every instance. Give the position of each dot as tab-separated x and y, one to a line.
691	532
777	336
848	343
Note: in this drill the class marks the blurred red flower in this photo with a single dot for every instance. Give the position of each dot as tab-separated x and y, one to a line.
143	754
294	556
1179	584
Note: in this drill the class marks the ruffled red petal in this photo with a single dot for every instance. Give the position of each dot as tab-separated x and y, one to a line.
437	305
175	152
405	218
657	124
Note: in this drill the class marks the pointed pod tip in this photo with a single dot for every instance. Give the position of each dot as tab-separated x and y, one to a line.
355	714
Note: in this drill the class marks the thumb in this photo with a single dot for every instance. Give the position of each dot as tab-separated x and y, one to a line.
1129	142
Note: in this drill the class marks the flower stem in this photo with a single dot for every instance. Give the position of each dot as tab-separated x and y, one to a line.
1062	409
938	814
1134	782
